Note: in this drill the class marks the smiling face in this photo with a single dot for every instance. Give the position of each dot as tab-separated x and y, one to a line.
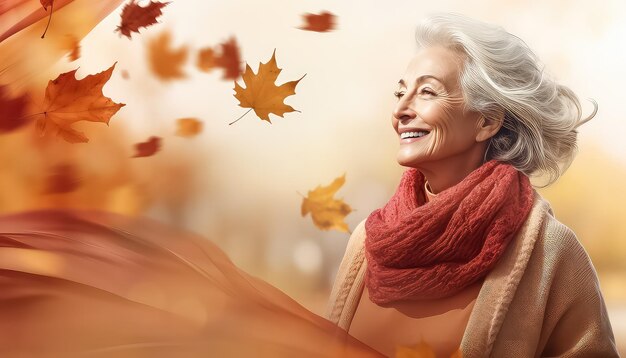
430	99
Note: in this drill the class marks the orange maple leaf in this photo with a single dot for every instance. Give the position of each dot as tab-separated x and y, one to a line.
207	59
323	22
12	111
165	62
261	94
45	4
135	16
327	213
71	44
69	100
188	127
227	57
147	148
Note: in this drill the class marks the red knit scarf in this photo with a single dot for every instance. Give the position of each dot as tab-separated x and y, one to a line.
418	250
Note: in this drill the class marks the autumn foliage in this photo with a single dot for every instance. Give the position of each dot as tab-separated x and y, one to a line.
327	212
323	22
12	110
147	148
226	57
166	62
261	92
69	100
135	17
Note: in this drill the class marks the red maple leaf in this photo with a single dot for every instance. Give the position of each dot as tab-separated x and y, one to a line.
323	22
148	148
12	111
135	16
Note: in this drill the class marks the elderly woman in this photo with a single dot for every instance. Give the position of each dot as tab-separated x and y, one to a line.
466	255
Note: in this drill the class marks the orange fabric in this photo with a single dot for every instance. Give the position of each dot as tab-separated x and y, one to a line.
74	283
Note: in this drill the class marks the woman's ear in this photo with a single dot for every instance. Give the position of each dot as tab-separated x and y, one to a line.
488	127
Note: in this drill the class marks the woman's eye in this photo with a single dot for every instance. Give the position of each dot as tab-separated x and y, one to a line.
398	94
428	91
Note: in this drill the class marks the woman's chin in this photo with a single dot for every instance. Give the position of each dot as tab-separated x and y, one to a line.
408	161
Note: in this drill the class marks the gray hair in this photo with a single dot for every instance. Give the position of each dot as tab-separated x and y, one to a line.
503	78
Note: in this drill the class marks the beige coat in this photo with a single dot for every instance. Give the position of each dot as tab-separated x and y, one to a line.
542	299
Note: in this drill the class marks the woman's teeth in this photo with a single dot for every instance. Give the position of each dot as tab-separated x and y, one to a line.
412	134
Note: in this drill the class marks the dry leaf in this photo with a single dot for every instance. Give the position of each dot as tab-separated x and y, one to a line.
12	111
69	100
165	62
206	59
261	93
46	3
188	127
135	16
72	44
147	148
327	212
227	58
420	350
230	59
323	22
62	179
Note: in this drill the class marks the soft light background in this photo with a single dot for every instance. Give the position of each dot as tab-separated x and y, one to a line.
239	185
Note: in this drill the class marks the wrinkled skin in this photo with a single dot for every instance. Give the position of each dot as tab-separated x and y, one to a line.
458	138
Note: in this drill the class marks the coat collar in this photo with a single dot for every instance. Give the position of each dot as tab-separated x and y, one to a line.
501	283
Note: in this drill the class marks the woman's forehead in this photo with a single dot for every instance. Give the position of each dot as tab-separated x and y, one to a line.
434	63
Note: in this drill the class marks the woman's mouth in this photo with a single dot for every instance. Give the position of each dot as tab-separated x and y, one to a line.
413	138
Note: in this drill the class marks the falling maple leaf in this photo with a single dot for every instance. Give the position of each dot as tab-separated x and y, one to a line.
327	212
62	179
207	59
147	148
188	127
45	4
135	16
12	111
72	44
261	94
323	22
165	62
69	100
227	58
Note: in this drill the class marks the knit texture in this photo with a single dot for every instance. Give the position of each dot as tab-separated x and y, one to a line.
541	299
424	250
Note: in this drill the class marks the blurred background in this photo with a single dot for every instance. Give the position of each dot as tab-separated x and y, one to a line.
240	185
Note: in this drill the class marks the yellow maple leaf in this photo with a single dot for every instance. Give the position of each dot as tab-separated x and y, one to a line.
69	100
188	127
327	213
261	92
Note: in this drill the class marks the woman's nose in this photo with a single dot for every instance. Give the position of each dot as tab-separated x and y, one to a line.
402	111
